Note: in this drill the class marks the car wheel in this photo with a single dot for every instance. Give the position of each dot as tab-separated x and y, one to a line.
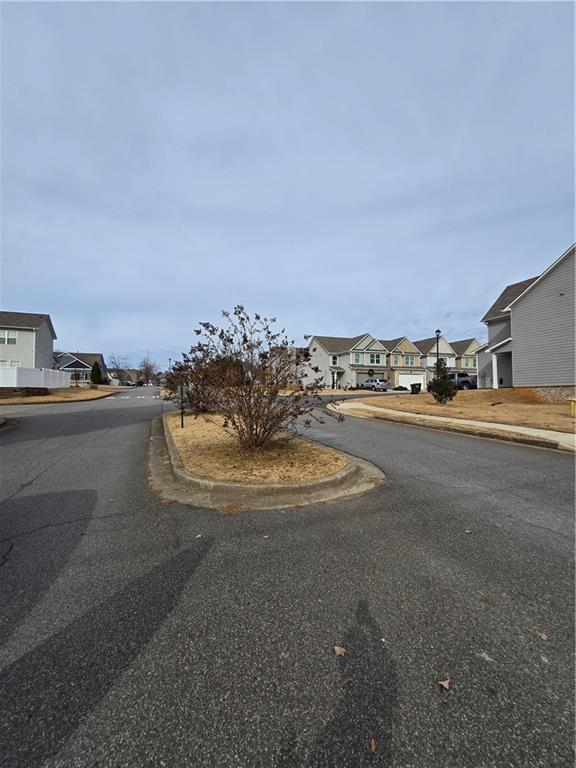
465	385
373	389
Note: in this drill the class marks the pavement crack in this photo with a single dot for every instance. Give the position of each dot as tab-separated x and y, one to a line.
6	555
92	518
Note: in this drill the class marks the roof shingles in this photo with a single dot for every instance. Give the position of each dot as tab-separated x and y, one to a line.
511	292
25	320
336	345
461	346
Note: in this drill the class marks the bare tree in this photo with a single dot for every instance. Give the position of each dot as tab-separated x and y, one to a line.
243	371
119	365
148	369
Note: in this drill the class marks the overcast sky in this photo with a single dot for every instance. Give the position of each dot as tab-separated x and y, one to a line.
347	167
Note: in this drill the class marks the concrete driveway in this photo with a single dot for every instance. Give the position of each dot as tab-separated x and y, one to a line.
140	634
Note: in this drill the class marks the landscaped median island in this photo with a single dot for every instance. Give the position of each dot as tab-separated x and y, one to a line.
207	451
239	448
200	465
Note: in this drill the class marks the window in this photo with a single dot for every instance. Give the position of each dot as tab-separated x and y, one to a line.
409	360
334	359
357	358
468	362
374	358
8	337
3	363
395	359
14	363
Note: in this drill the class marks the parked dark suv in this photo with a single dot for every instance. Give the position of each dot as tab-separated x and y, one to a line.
461	380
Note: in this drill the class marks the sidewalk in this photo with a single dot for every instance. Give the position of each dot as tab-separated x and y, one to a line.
529	435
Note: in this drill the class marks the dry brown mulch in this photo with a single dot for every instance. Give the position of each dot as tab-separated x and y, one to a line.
207	451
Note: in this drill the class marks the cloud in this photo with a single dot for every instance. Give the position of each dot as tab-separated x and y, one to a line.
342	166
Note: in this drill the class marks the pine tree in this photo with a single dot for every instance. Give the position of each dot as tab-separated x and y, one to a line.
96	374
442	388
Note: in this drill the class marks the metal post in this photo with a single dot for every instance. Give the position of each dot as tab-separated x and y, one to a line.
438	332
182	403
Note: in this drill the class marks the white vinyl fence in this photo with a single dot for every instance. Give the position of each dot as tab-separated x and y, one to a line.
33	377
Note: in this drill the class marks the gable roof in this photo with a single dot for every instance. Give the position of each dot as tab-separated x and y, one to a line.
337	344
391	343
32	320
559	260
425	345
461	346
88	358
498	310
372	343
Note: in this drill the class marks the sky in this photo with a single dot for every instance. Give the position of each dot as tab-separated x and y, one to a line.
344	167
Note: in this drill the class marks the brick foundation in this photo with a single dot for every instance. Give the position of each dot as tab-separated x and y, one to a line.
556	394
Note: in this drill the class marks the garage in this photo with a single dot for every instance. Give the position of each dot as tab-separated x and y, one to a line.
405	379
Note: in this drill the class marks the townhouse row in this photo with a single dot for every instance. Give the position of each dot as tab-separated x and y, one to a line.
347	362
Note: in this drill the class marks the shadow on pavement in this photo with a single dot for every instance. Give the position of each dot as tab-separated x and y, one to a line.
365	712
38	535
45	695
359	733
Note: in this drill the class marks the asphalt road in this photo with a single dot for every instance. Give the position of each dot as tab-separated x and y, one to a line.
135	633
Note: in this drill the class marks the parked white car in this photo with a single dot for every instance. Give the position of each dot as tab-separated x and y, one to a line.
376	384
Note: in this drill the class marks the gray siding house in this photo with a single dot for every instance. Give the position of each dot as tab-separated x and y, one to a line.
79	365
26	340
531	331
543	320
346	361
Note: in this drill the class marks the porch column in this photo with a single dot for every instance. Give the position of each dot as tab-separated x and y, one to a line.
494	372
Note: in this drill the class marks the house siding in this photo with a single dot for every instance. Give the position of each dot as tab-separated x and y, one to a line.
44	347
498	330
318	359
22	351
484	363
543	330
33	348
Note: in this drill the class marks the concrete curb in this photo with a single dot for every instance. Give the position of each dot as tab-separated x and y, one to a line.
356	478
419	420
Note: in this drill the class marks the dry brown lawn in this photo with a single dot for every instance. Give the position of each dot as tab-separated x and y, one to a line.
207	451
68	395
520	407
327	391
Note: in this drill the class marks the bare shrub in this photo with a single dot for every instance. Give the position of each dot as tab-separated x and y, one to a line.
247	371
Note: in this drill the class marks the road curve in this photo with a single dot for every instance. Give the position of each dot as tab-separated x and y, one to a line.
135	633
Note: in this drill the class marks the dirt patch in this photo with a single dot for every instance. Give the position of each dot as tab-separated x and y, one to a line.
519	407
68	395
207	451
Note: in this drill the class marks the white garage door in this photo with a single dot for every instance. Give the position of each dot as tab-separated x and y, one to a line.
405	379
